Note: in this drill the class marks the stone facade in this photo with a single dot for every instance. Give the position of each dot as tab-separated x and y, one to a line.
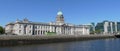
26	27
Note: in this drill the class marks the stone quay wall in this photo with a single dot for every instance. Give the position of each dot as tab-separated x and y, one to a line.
11	40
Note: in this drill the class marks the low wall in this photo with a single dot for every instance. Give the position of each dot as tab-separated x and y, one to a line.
8	40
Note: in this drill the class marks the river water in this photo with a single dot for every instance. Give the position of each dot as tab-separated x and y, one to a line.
89	45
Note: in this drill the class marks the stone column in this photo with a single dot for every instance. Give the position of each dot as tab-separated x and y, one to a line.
116	27
111	25
72	30
51	28
83	29
105	27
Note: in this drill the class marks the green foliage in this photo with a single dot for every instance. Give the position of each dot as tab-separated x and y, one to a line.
98	31
92	32
1	30
50	33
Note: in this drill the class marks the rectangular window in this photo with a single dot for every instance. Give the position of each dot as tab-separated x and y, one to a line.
30	31
38	26
30	26
19	26
35	32
19	31
35	26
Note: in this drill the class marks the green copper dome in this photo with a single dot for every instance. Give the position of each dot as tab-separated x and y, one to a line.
60	13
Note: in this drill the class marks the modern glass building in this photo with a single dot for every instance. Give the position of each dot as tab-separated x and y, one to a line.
108	27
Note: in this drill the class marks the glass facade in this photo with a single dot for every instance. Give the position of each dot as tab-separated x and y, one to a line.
111	27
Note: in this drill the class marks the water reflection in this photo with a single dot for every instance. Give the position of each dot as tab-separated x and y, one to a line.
91	45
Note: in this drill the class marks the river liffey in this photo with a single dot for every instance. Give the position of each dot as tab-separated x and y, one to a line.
88	45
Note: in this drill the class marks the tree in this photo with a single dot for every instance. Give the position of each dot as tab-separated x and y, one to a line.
92	32
98	31
1	30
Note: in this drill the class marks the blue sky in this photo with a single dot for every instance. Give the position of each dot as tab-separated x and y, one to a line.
75	11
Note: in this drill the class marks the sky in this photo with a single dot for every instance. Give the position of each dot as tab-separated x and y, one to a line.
74	11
